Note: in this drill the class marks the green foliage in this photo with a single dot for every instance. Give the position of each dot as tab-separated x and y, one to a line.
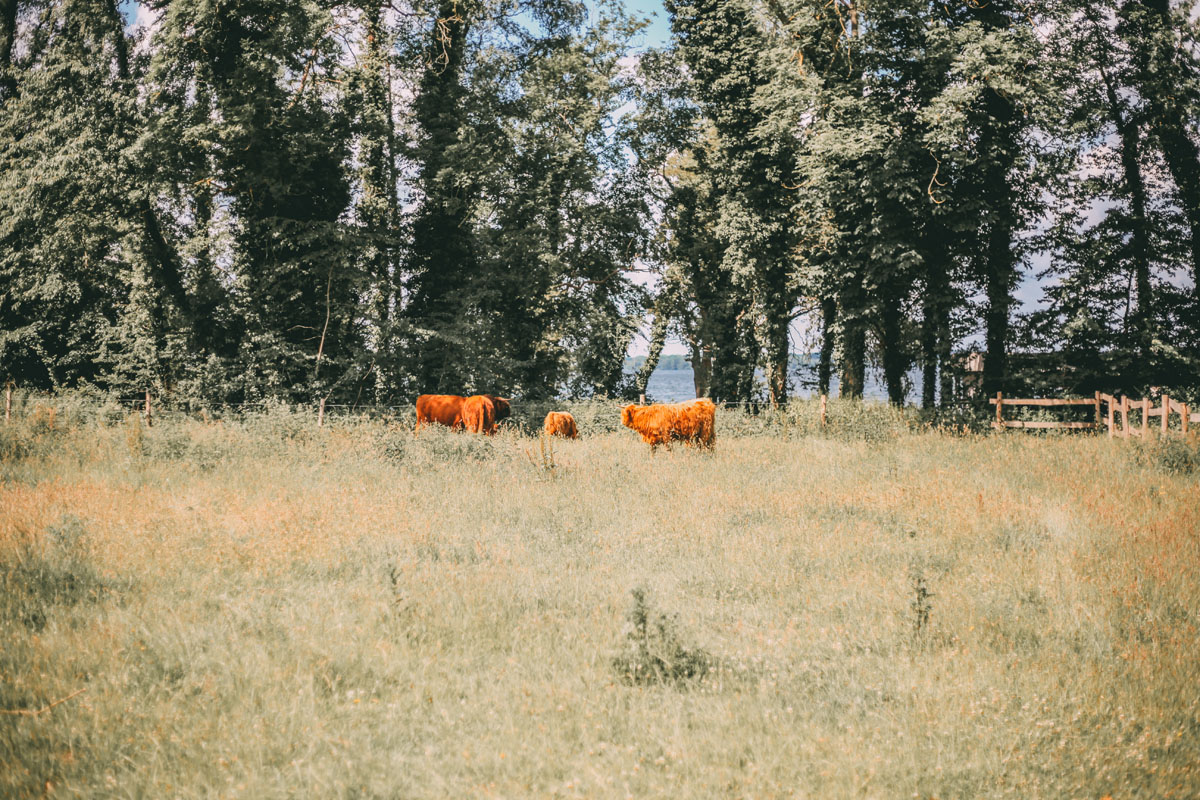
654	651
1172	454
63	193
302	200
44	574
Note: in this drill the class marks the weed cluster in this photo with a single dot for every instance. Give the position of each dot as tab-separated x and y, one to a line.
921	606
41	575
543	460
654	650
1174	455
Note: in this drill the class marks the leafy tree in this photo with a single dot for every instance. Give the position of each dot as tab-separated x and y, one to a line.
1165	73
723	47
239	83
63	193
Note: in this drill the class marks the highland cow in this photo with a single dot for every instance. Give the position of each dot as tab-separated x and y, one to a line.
692	423
560	423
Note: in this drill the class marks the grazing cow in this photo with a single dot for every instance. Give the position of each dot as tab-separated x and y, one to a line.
481	413
478	413
503	408
443	409
560	423
693	423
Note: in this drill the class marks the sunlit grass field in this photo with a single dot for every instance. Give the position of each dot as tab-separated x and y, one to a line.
260	608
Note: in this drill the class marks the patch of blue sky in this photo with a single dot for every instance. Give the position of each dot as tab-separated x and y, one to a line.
129	10
658	32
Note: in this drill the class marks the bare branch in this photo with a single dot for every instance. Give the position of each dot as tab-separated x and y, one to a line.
934	181
33	712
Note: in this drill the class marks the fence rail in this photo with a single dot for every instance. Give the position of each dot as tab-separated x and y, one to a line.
1117	418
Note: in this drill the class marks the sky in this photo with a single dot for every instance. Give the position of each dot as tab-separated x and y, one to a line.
659	30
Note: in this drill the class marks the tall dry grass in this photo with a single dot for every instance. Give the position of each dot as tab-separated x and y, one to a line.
257	608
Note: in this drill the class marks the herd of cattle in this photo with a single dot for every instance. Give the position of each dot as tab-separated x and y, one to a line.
691	422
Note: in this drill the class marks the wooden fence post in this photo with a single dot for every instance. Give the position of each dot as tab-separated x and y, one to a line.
999	409
1124	417
1166	409
824	406
149	412
1099	420
1145	417
1112	413
321	413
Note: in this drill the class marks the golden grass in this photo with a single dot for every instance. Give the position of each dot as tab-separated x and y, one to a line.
357	612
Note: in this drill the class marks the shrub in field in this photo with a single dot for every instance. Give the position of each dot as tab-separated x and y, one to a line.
37	577
921	605
279	421
654	651
543	458
393	442
956	419
1172	454
36	429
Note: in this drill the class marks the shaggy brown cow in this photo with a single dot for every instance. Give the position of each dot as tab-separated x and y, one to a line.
503	408
560	423
481	413
443	409
693	423
478	413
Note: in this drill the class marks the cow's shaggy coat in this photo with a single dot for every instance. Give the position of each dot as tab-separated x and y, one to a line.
479	413
692	422
560	423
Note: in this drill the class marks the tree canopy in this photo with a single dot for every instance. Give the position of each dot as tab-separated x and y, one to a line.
364	200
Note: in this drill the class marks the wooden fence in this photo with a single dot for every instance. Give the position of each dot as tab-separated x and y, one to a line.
1117	418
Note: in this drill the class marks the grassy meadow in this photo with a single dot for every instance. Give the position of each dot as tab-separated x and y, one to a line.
259	608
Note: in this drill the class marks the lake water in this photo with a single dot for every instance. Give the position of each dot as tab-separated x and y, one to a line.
674	385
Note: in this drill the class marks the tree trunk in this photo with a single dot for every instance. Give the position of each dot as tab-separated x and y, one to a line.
944	350
778	346
894	358
929	352
1171	118
853	315
1000	269
935	322
854	361
1139	244
702	365
1000	279
8	36
828	339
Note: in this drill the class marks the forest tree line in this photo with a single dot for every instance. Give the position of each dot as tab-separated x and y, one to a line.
367	199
